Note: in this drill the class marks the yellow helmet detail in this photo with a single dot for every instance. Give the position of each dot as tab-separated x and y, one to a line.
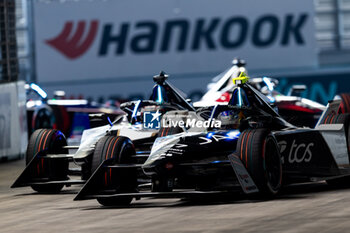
242	78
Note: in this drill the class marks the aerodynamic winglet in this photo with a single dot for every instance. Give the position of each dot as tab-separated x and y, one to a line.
242	174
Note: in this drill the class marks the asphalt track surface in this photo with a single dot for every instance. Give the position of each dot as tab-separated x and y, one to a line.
302	208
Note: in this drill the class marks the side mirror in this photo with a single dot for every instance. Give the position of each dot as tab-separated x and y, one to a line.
296	90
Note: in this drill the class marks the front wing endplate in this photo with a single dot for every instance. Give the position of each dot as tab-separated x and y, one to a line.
242	174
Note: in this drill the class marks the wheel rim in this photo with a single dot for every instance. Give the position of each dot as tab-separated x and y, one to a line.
272	165
126	152
59	143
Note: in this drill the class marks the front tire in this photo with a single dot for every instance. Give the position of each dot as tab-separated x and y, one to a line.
119	150
259	152
52	142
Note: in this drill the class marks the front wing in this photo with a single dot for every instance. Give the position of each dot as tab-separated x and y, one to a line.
94	187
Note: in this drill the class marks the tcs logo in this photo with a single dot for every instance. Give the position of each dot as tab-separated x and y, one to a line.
298	153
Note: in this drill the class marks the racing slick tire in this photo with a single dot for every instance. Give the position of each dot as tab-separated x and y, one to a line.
259	152
166	131
52	141
332	118
119	150
345	103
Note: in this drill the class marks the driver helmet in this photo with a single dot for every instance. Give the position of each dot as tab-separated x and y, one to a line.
231	119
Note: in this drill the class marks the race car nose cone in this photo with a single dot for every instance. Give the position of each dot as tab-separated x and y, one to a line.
160	78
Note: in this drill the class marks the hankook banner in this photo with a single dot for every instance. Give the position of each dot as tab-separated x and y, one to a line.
81	42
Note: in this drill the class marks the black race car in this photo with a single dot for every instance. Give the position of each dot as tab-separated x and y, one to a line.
254	150
49	163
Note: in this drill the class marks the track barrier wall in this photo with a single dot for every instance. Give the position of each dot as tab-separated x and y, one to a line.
13	121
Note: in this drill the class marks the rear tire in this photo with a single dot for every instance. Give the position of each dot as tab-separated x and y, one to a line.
259	152
120	151
52	141
345	103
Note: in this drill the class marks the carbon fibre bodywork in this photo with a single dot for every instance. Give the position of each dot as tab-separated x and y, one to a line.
164	98
219	160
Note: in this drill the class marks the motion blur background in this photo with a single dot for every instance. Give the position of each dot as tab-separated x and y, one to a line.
117	45
109	49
